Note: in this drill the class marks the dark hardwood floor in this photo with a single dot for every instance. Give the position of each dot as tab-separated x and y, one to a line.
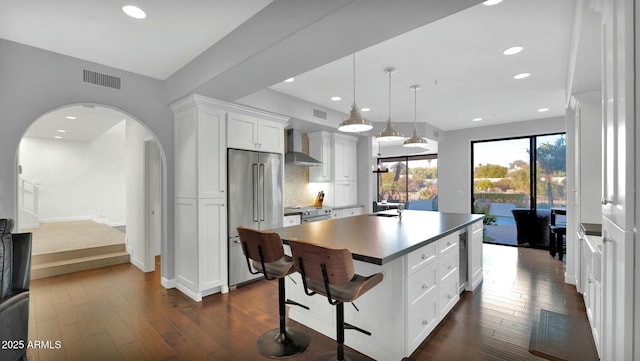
120	313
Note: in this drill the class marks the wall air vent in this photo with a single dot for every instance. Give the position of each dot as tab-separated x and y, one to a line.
93	77
320	114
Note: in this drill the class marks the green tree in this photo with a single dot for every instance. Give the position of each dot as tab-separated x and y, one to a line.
551	161
484	184
490	171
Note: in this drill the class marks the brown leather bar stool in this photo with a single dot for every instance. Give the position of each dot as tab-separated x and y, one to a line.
266	251
330	272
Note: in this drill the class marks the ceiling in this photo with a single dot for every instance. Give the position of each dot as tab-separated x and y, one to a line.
457	60
88	123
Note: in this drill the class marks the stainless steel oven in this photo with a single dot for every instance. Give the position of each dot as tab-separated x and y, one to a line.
311	214
314	218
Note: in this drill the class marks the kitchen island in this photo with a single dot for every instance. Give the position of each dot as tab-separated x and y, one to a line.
420	256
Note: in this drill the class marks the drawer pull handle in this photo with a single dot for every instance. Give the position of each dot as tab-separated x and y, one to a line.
448	243
449	297
425	285
449	267
424	256
425	322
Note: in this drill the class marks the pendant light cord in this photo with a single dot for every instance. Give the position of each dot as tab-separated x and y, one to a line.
354	79
389	119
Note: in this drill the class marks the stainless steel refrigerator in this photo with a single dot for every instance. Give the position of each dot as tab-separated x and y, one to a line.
254	185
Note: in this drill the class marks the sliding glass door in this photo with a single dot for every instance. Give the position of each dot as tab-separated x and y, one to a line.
518	177
412	180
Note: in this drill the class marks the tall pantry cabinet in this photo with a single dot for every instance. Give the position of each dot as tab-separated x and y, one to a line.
202	127
619	93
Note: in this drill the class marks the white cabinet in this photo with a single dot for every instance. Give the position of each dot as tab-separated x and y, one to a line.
350	212
345	170
346	212
619	96
201	130
592	263
200	227
417	292
320	149
474	245
292	220
245	131
338	153
346	158
448	273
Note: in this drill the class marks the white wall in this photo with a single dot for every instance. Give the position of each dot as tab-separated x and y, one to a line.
454	157
136	135
35	81
590	177
78	180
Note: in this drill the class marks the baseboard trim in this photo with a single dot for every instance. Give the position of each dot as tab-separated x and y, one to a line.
168	283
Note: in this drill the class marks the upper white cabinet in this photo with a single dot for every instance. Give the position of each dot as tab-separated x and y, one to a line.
346	158
252	132
200	150
339	156
320	149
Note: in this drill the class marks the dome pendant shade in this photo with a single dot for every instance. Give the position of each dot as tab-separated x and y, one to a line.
416	141
389	134
355	122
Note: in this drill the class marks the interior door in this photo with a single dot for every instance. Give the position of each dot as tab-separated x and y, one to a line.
153	203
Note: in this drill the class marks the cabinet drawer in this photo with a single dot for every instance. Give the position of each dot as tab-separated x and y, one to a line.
422	319
448	264
289	221
422	282
448	295
350	212
448	242
420	257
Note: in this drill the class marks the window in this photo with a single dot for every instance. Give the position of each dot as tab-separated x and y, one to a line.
412	179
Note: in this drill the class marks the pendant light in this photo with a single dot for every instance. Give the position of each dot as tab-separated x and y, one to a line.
355	122
388	133
379	167
416	141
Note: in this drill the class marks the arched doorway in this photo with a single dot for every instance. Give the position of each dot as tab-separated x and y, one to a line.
99	166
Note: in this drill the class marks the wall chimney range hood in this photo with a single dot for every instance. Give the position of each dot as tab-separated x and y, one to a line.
294	155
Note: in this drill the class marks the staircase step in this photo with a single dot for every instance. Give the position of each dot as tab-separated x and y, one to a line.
76	253
65	266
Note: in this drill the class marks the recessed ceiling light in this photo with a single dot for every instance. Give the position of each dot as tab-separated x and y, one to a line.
70	117
521	75
512	50
134	11
492	2
365	109
335	99
57	137
476	119
61	131
541	110
289	80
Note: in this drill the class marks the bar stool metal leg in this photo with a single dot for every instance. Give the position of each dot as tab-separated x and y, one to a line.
282	341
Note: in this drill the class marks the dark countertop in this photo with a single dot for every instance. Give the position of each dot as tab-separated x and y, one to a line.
379	239
591	229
